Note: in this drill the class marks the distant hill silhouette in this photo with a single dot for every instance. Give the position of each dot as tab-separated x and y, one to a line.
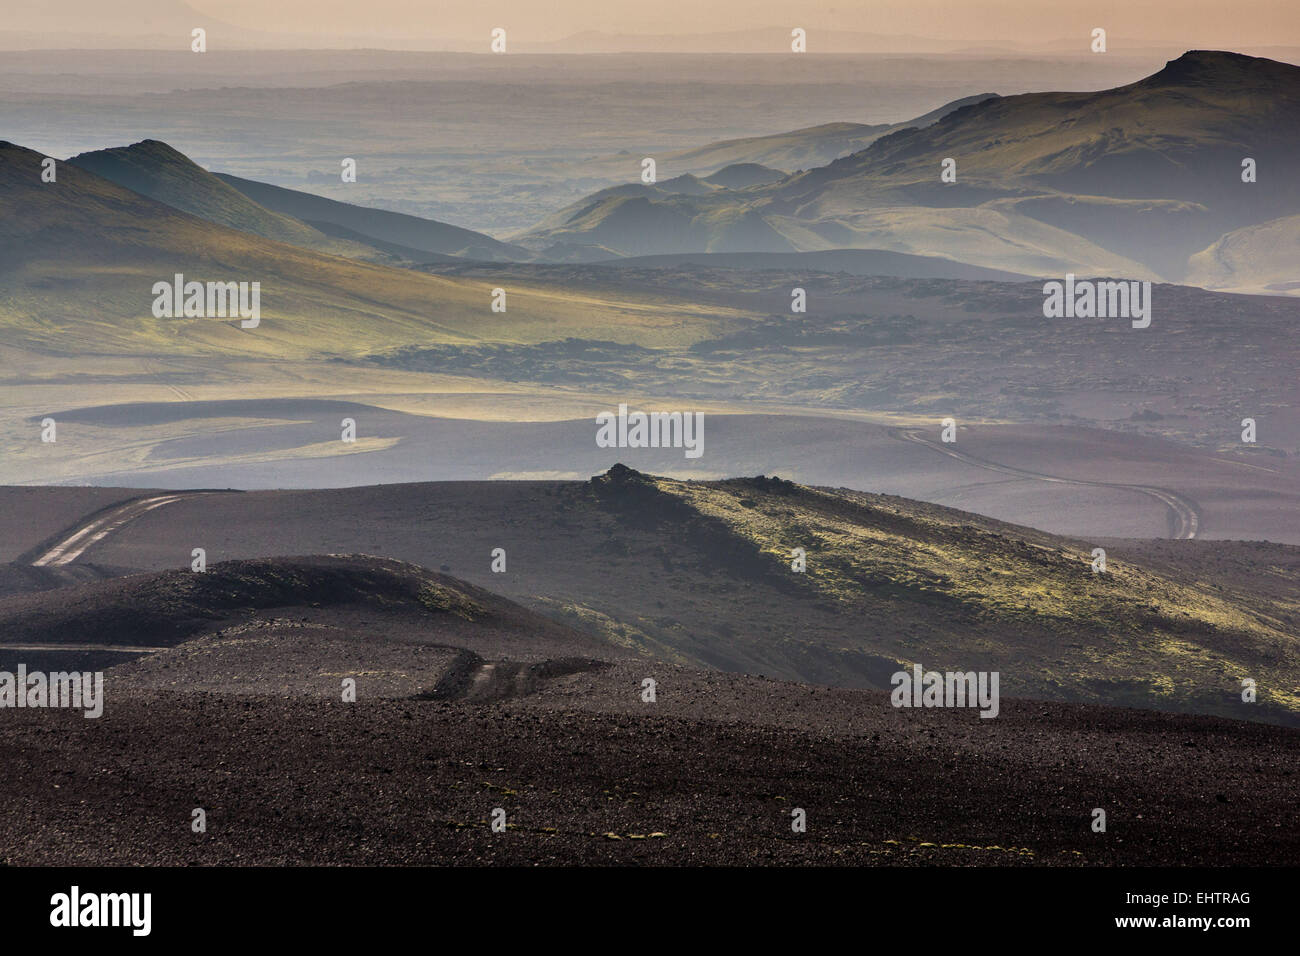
157	170
394	228
154	169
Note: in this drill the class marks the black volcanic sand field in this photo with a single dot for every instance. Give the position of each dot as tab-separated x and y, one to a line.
414	782
467	702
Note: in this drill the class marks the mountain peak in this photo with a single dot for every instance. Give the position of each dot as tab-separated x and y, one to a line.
153	150
155	146
1217	67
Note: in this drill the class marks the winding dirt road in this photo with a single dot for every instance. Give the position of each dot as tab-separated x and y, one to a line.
98	528
1185	515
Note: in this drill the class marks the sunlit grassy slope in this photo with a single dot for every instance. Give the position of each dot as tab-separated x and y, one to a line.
915	583
79	257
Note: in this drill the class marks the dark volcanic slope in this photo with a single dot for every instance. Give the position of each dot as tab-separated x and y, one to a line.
699	573
284	624
466	704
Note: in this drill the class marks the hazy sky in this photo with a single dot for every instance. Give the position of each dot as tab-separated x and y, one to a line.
978	21
1222	24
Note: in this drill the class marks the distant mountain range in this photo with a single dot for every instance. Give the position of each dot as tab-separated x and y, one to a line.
1143	181
775	155
805	148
